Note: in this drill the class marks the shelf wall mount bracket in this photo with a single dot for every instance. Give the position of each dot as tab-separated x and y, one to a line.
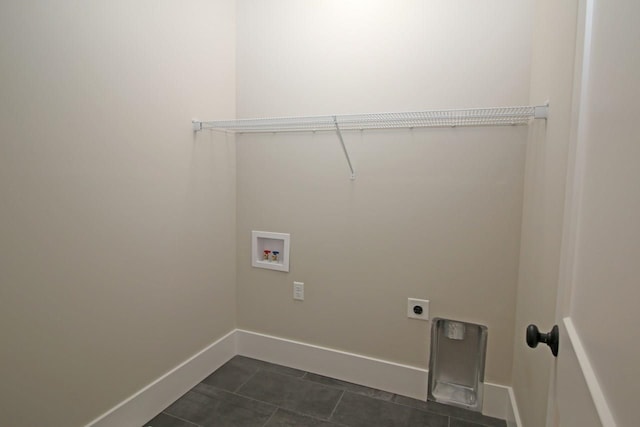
344	147
541	111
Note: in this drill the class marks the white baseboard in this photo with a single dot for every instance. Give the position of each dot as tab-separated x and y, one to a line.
368	371
155	397
381	374
591	399
513	415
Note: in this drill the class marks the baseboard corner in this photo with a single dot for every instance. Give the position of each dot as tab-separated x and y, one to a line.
152	399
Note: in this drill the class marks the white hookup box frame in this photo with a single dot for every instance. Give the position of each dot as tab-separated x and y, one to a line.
262	241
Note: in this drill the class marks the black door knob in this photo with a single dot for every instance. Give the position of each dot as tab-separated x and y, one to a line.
534	336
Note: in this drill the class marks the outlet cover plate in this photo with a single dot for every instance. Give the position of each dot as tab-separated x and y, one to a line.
298	291
413	302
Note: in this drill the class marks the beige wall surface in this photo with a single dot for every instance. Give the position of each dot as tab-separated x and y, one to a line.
331	56
117	242
432	214
545	176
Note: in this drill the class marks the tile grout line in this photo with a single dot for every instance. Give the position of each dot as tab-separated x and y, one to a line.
245	383
253	399
301	378
270	416
181	419
336	407
344	388
233	393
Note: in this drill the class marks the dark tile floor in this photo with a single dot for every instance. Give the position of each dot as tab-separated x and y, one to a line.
249	392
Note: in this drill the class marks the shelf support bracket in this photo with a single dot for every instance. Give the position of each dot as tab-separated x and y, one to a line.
344	148
541	111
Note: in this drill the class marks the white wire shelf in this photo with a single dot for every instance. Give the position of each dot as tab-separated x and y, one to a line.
498	116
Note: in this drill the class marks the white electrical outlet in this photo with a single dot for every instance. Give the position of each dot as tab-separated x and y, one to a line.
298	291
418	308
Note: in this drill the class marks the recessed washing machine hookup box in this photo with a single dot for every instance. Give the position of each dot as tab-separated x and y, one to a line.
456	365
270	250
